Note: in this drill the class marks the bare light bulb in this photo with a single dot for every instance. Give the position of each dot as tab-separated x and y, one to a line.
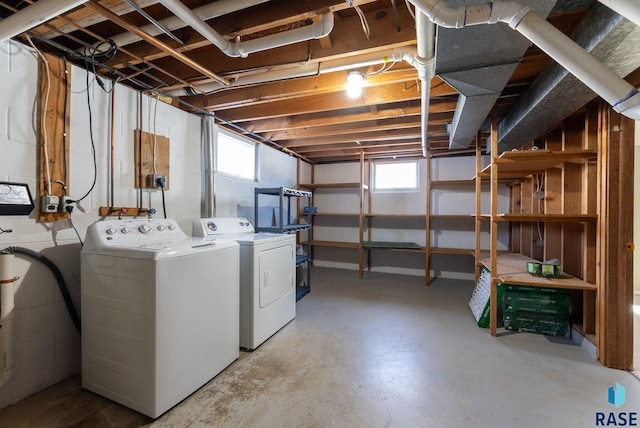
355	82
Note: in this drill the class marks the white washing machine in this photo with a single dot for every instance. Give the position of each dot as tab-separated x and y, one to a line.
267	276
160	312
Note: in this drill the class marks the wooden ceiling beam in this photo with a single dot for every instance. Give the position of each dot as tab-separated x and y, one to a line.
347	36
332	117
323	102
95	5
346	128
292	89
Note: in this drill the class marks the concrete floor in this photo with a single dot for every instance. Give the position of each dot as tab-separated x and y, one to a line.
381	352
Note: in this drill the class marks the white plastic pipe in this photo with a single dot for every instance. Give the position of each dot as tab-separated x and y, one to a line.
34	15
630	9
579	62
317	30
7	307
616	91
299	70
206	12
425	61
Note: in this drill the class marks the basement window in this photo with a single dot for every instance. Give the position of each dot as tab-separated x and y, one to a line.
395	176
235	156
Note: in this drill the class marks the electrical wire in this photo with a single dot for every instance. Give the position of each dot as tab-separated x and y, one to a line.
93	145
164	206
43	113
155	118
74	228
411	12
363	21
91	56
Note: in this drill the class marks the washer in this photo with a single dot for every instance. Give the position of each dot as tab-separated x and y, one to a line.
267	276
160	312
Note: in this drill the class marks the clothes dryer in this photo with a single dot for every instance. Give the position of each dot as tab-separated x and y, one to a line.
267	276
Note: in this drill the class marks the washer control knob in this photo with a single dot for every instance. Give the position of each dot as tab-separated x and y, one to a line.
212	226
145	228
112	231
125	230
161	227
171	226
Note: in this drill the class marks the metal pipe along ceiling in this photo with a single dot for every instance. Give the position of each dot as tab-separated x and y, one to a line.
34	15
621	95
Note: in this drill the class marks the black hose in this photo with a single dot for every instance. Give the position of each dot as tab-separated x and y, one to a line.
57	274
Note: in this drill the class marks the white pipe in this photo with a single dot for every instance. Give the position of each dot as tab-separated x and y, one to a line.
425	63
34	15
95	18
576	60
630	9
7	307
616	91
317	30
304	70
206	12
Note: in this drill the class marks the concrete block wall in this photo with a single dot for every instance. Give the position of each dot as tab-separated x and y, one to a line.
234	197
46	346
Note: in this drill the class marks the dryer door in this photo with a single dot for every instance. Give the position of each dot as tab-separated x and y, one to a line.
277	273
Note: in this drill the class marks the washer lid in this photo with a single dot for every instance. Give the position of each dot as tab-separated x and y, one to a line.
147	239
159	250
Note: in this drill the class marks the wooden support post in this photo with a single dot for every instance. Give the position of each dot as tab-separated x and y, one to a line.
478	183
615	234
493	301
54	133
427	245
360	217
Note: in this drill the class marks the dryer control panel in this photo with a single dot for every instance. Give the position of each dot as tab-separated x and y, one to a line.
220	225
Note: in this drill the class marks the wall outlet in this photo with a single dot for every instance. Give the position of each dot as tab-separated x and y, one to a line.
156	181
49	204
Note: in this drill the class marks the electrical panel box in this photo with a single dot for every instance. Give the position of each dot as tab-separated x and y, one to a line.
15	199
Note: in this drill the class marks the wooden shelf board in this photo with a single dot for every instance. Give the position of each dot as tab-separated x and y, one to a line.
457	216
396	215
452	183
392	245
552	218
512	269
335	244
518	164
451	251
303	214
333	186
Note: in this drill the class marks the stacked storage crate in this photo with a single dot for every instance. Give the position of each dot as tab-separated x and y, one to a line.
537	310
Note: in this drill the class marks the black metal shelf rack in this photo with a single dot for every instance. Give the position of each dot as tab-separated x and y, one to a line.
281	223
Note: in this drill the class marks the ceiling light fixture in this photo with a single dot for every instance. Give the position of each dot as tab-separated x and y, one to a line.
355	82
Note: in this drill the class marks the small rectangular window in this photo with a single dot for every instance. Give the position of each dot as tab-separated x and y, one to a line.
395	176
235	156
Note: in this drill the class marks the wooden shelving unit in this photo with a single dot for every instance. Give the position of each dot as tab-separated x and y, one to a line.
361	187
564	178
431	218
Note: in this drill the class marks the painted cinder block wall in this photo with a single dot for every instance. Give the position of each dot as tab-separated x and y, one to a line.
445	232
46	347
